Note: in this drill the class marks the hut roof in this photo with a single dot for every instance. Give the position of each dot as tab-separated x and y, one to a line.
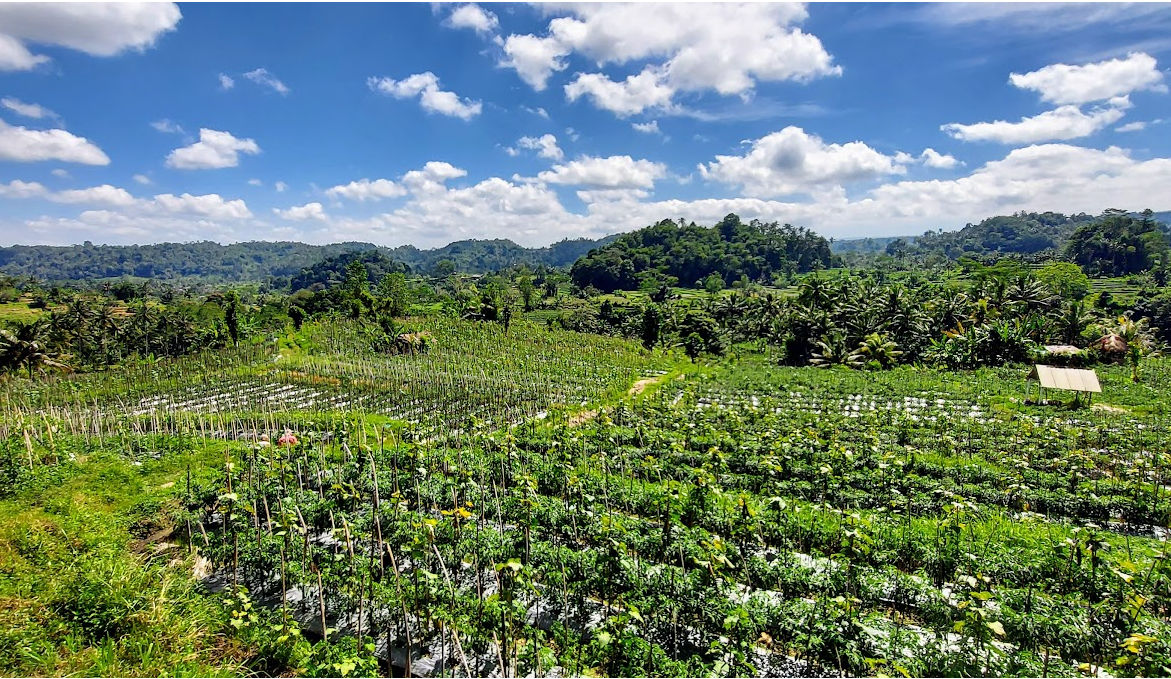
1071	379
1110	343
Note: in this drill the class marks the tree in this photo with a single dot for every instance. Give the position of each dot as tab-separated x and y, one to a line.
1065	279
1116	244
651	326
24	348
713	284
394	294
527	291
232	316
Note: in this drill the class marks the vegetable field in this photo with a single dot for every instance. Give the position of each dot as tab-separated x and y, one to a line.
508	505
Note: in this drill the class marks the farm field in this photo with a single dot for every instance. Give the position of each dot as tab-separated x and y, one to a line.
534	502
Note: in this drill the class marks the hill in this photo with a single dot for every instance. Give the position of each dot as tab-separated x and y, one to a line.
261	261
672	253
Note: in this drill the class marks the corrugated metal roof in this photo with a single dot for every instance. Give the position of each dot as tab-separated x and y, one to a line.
1071	379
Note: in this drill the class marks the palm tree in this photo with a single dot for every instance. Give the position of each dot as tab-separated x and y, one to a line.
1073	320
832	351
879	349
23	348
1139	341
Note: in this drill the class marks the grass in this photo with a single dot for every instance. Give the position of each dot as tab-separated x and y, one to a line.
83	589
18	311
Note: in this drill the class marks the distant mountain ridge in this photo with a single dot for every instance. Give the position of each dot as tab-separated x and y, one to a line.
265	260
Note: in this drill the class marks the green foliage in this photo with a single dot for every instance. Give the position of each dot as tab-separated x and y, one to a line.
693	253
1065	279
1117	244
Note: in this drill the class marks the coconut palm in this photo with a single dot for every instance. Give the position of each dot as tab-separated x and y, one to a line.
876	348
832	351
24	348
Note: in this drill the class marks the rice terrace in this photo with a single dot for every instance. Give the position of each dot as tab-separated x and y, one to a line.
606	340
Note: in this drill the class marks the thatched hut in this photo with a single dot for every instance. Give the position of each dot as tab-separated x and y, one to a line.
1110	344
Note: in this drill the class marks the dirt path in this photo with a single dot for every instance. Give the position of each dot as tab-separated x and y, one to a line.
635	389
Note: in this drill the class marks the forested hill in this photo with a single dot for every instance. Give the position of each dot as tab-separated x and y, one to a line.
1024	233
261	261
673	254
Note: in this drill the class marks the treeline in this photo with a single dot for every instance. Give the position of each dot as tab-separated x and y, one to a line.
1115	243
670	254
1005	314
261	261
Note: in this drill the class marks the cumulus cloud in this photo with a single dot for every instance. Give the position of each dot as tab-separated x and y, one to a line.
793	161
647	128
226	82
431	98
23	145
474	17
432	177
364	189
262	77
940	161
545	146
1066	84
142	179
35	111
613	172
626	97
99	29
214	150
534	59
60	173
1060	124
694	48
301	213
106	196
280	187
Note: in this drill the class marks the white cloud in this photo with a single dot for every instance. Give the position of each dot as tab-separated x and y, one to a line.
96	195
214	150
226	82
21	144
426	87
534	59
473	17
545	146
167	126
633	95
793	161
99	29
280	187
255	182
365	189
211	205
572	134
22	189
940	161
726	48
142	179
613	172
262	77
300	213
60	173
1066	84
35	111
1060	124
647	128
539	111
432	177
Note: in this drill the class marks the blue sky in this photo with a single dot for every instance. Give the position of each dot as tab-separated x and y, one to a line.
427	123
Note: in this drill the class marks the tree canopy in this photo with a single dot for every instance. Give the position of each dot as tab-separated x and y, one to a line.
672	252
